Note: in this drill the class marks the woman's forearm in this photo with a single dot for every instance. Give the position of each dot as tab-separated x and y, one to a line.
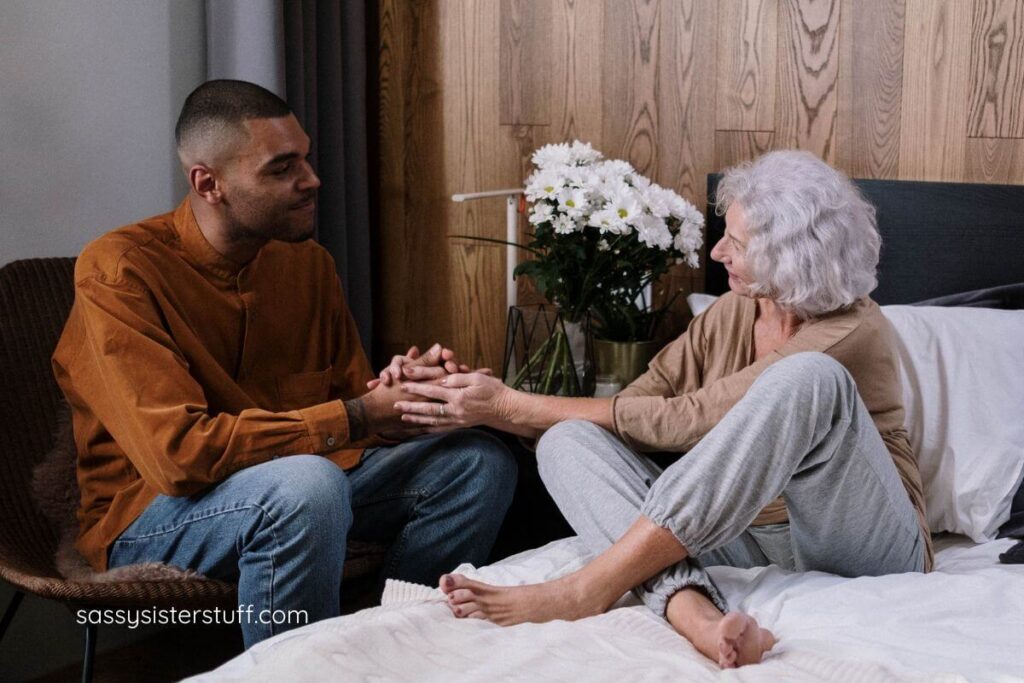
531	414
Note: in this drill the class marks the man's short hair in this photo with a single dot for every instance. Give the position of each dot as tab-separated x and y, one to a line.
216	106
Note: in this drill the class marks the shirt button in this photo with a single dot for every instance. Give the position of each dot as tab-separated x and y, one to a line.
330	441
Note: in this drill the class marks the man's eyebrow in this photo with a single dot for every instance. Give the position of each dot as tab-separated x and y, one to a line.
280	158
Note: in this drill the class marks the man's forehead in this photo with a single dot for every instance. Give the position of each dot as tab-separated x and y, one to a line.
274	136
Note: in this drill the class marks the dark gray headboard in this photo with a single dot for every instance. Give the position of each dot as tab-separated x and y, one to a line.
937	238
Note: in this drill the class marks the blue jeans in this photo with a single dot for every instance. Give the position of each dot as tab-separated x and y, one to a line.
279	528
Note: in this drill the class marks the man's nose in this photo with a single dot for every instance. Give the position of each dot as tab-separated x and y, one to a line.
310	179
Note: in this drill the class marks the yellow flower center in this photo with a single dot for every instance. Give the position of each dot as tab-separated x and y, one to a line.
571	204
623	213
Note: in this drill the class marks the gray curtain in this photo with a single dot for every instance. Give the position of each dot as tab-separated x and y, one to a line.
325	76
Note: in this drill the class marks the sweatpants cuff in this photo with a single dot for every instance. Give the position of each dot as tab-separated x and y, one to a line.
656	592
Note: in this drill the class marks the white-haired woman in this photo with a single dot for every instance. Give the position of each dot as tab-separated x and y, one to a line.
785	398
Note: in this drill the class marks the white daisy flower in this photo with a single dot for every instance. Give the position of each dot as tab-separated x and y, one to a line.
544	185
653	232
582	154
550	156
658	201
616	169
626	206
564	225
573	202
541	213
608	221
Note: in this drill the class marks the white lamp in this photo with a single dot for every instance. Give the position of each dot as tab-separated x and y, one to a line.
511	232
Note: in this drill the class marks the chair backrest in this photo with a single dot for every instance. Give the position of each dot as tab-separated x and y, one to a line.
35	299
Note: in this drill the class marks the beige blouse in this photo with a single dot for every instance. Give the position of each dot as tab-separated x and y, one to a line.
700	376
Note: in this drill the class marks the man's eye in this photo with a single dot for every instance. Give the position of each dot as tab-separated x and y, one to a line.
281	170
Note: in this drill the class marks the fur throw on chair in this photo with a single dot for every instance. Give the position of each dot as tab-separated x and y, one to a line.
55	489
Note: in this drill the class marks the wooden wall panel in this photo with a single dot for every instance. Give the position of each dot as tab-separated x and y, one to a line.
629	58
473	141
686	104
997	69
916	89
747	37
525	37
871	88
807	100
935	90
735	146
994	160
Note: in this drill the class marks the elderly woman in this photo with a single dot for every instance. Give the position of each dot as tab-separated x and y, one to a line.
785	398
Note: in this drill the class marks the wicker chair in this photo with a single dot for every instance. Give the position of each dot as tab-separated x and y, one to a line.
35	298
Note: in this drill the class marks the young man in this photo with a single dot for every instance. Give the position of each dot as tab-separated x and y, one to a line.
219	390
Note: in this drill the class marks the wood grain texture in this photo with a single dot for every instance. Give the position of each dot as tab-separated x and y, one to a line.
735	146
746	70
935	90
994	160
576	73
630	68
525	38
473	142
687	126
997	69
871	88
806	104
411	178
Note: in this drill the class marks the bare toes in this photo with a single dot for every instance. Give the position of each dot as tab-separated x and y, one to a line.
466	609
460	595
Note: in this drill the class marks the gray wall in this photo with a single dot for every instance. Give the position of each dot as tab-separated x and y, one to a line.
89	93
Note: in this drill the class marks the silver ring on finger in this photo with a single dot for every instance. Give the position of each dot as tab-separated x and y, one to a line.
440	410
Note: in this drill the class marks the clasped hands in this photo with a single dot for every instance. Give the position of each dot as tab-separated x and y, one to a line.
439	393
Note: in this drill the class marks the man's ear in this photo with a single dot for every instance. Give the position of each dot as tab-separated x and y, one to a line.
204	183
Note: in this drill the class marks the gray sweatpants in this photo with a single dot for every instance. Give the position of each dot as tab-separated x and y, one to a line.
801	431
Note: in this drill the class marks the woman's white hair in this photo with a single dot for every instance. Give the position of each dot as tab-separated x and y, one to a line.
814	240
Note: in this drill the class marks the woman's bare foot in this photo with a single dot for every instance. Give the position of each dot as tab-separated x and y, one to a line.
732	640
741	641
566	598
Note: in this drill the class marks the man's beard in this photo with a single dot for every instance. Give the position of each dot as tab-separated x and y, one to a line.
255	223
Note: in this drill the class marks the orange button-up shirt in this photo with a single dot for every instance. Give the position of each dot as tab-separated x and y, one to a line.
181	367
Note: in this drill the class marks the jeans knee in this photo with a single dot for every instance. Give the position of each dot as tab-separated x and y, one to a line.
314	490
490	462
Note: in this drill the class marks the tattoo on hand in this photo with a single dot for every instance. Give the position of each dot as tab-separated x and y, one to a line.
358	425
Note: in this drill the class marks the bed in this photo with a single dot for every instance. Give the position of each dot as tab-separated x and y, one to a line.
949	244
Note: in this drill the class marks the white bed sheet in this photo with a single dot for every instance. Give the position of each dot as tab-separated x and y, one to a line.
962	622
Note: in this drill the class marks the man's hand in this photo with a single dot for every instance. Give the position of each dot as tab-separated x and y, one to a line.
434	364
375	411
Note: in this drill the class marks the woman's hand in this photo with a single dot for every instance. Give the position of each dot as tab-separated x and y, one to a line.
436	362
460	400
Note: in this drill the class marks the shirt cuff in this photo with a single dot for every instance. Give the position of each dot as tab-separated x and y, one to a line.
327	426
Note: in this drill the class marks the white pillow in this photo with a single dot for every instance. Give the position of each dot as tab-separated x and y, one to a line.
698	303
963	390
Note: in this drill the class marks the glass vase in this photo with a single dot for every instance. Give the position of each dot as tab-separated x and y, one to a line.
547	354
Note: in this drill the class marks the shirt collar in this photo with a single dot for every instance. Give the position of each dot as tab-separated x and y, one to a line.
198	248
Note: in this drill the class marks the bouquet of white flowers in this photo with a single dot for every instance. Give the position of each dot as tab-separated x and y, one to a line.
602	234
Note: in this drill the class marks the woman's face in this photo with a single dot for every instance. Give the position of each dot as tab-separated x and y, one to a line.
731	250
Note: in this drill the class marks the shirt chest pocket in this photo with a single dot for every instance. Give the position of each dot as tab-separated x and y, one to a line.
303	389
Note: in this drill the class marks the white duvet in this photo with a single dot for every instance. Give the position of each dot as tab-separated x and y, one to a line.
962	622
